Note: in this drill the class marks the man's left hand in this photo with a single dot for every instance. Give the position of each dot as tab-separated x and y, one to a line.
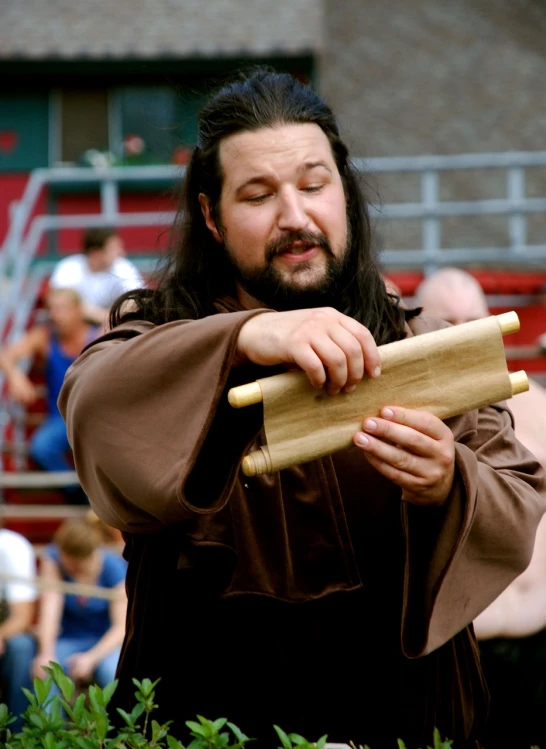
414	449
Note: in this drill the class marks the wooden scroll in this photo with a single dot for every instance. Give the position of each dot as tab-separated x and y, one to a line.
447	372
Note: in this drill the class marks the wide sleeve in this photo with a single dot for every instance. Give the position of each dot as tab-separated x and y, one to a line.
153	437
460	557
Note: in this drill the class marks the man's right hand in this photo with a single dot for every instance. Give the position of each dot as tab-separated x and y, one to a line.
328	346
21	388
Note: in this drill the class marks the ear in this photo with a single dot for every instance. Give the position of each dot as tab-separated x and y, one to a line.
204	202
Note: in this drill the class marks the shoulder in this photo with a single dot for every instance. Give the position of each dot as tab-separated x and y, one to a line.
52	552
124	267
12	542
70	264
114	568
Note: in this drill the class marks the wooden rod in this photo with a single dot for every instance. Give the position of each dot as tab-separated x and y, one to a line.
519	382
256	463
245	395
509	322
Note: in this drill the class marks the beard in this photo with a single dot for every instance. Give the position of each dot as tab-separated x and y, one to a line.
269	286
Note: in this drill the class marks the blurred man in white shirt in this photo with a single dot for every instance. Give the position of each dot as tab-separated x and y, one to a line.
100	274
17	608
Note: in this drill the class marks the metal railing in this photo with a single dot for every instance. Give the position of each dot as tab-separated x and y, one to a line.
516	206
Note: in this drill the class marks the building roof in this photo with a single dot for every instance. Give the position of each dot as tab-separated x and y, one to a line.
146	29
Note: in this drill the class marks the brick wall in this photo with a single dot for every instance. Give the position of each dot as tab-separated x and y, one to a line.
409	77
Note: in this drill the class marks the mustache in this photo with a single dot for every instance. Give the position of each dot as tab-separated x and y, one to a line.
283	243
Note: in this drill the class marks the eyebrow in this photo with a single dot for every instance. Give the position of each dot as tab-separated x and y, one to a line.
262	179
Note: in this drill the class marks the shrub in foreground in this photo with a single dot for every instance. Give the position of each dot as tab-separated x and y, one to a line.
67	721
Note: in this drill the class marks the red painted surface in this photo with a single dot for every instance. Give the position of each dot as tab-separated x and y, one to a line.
141	239
138	239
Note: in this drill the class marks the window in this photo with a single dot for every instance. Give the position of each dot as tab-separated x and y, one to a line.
83	122
158	123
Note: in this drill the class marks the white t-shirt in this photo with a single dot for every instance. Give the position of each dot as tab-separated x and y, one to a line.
100	288
16	558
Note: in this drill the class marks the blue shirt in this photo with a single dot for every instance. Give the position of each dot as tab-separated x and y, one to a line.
89	616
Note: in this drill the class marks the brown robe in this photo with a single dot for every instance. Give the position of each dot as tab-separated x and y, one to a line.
312	598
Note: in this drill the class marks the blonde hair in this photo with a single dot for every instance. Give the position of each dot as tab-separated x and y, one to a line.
78	538
66	291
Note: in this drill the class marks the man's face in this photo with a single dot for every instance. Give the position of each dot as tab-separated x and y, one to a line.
112	250
283	215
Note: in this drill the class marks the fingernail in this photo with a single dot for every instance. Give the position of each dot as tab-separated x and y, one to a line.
361	439
377	372
370	425
350	389
388	413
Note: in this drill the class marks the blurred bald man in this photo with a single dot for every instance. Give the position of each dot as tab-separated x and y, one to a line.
515	668
453	295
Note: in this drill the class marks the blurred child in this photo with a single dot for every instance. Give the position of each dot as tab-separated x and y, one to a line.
83	634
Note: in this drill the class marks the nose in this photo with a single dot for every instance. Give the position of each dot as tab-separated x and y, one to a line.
292	215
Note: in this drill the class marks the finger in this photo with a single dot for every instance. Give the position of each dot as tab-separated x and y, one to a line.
399	460
404	436
422	421
334	360
372	358
353	353
408	483
308	360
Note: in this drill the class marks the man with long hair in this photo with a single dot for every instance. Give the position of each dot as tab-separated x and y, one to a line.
337	596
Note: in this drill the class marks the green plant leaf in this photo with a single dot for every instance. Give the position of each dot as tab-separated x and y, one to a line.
137	711
109	690
174	743
239	735
219	723
401	744
197	744
42	688
101	726
85	743
298	740
78	707
126	717
322	741
30	697
96	698
285	741
196	728
37	720
49	741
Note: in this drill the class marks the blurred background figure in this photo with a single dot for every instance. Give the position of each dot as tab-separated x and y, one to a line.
99	274
453	295
83	634
17	609
112	538
57	345
514	656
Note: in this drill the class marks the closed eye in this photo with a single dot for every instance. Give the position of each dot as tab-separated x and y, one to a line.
257	198
313	188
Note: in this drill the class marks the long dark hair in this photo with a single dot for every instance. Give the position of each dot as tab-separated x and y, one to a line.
196	273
